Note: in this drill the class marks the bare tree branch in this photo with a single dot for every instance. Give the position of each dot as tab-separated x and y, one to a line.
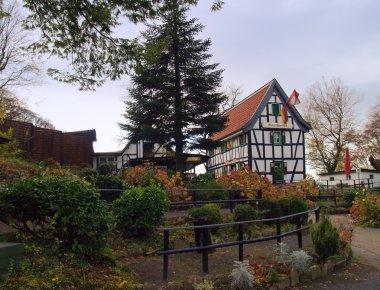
17	67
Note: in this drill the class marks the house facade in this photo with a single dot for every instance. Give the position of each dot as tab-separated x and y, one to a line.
265	133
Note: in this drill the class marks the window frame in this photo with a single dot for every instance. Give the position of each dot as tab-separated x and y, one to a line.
279	134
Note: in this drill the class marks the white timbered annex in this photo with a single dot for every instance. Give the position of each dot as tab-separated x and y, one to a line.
258	136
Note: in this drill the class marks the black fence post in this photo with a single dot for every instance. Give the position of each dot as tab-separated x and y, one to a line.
206	232
341	185
197	233
317	215
278	230
299	234
195	198
241	250
354	184
230	202
334	193
327	182
166	256
368	183
259	197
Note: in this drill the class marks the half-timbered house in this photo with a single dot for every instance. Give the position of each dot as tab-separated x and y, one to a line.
265	133
145	152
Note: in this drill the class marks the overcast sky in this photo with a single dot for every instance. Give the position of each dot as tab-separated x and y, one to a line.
295	41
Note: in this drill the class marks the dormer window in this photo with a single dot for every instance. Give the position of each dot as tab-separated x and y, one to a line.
276	108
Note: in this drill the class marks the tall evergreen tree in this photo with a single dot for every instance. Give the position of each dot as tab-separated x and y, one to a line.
174	97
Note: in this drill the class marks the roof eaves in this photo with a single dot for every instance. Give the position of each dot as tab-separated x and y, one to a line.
259	109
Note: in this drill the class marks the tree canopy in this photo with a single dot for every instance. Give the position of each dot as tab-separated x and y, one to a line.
12	107
174	98
329	109
84	32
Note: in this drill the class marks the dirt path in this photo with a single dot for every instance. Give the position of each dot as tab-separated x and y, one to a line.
188	267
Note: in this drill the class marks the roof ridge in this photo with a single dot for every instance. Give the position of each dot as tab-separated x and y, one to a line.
250	96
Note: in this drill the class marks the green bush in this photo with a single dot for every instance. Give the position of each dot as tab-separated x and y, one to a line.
245	212
105	169
201	179
109	182
87	174
349	197
270	208
210	212
325	238
208	191
140	209
292	205
58	209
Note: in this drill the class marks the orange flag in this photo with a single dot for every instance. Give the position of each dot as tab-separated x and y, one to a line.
283	115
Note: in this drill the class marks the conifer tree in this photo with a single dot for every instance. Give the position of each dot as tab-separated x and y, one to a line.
174	96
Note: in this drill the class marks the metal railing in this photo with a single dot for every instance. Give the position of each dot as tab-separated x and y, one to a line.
206	245
194	193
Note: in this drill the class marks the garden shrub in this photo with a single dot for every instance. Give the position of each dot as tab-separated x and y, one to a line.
366	209
200	179
109	182
210	212
325	238
139	176
173	184
245	212
86	173
140	209
349	197
300	260
245	179
270	208
105	169
58	209
219	194
11	169
241	276
292	204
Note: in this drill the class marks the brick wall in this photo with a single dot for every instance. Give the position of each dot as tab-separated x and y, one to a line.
69	148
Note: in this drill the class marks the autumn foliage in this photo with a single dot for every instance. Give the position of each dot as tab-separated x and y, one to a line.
146	175
366	209
251	179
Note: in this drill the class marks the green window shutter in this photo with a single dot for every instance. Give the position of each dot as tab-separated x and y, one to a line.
241	166
224	169
276	109
241	140
223	147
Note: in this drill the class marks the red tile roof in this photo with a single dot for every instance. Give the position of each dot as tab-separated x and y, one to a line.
239	115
